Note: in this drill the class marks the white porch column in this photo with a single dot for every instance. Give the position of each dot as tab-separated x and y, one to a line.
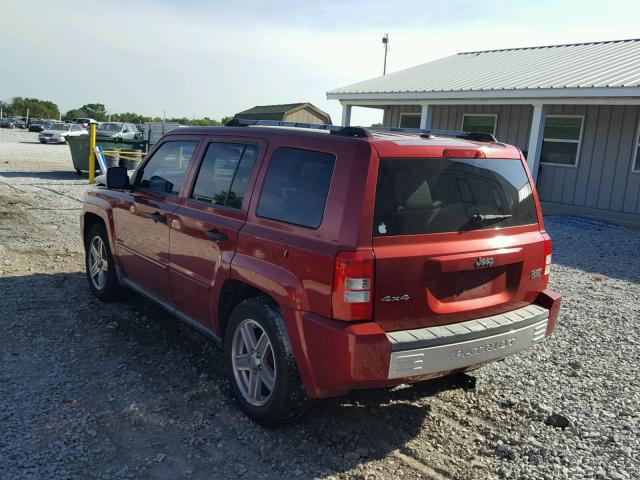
346	115
535	139
426	116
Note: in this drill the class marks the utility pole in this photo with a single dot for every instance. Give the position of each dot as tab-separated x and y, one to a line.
385	42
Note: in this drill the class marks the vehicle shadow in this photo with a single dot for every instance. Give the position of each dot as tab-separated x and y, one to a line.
597	247
45	175
138	373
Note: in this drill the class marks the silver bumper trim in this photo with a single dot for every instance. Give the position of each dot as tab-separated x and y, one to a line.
458	332
460	354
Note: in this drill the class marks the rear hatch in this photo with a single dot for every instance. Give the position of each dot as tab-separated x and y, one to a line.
454	239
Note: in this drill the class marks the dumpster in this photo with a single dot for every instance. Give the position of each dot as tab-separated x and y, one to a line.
79	147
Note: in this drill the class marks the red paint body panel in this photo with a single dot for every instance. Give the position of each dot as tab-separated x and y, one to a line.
295	265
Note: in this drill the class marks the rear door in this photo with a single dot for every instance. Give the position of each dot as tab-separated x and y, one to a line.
454	239
204	228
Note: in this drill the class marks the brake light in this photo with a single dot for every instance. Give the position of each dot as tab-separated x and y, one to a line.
463	153
352	292
547	259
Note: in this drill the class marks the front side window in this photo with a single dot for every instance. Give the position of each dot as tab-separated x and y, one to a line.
296	187
224	174
166	169
562	136
409	120
479	123
436	195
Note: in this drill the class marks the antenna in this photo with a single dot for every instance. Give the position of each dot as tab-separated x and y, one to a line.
385	42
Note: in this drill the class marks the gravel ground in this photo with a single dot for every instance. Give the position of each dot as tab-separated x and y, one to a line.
125	391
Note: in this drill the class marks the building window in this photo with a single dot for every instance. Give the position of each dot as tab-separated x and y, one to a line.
562	137
409	120
482	123
636	158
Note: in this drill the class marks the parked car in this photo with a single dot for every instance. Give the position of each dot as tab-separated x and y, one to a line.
84	122
118	131
14	122
58	132
37	125
324	263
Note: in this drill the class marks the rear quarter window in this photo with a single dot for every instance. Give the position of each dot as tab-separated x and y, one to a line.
296	187
436	195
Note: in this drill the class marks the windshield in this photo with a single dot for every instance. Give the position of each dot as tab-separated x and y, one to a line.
435	195
59	126
110	127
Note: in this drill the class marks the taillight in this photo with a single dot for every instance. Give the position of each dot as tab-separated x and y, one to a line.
352	293
547	259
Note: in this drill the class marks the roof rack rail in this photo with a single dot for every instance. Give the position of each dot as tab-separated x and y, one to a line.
357	132
473	136
363	132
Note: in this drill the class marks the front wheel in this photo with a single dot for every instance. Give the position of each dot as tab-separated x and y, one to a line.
260	365
101	270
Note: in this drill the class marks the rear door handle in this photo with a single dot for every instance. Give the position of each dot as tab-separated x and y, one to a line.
217	235
158	217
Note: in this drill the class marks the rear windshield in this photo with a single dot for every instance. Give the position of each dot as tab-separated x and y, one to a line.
435	195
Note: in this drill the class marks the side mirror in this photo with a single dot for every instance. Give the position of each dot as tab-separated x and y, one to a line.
117	178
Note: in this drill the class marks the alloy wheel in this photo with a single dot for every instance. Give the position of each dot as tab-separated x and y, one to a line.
253	362
98	263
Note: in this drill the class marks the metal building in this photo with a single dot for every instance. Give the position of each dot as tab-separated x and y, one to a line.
573	109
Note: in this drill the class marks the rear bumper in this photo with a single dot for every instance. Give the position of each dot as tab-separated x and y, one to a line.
334	357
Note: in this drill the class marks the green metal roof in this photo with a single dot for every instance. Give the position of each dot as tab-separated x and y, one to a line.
271	109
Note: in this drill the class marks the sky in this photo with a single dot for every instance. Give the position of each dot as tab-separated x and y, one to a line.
196	58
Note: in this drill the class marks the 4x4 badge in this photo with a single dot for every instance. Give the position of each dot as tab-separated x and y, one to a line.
401	298
484	262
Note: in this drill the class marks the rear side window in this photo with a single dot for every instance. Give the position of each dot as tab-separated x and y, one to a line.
224	174
435	195
296	187
165	171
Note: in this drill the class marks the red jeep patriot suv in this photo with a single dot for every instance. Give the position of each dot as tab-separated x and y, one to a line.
325	259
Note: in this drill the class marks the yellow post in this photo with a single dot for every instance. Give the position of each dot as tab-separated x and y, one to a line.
92	152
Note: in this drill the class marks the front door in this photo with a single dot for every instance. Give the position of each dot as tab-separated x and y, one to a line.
143	216
204	228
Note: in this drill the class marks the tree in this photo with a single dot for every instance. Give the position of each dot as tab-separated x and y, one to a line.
75	113
4	106
376	125
130	117
37	108
97	111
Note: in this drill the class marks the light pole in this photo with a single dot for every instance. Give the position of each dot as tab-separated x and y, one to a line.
385	42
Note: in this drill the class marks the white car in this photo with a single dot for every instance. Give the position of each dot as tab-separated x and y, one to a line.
58	132
118	131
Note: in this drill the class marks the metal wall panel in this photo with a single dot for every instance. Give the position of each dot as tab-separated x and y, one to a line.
513	125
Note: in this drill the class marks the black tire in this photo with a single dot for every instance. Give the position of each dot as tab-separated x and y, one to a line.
287	400
111	289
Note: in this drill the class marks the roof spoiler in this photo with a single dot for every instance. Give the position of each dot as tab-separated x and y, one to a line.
363	132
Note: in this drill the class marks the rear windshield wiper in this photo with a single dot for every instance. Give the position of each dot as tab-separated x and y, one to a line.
478	220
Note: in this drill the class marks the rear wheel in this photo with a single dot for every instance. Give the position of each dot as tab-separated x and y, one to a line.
260	365
101	271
